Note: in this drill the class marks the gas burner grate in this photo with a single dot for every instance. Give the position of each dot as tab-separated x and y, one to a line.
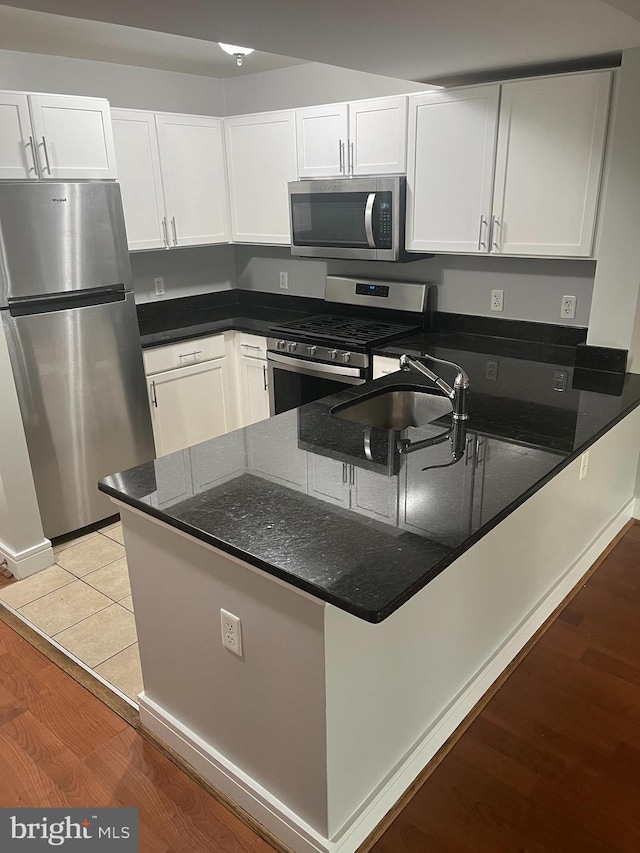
352	330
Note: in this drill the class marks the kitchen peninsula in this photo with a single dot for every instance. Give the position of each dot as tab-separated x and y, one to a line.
379	594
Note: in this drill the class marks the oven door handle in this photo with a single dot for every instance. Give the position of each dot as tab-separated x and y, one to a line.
368	220
315	367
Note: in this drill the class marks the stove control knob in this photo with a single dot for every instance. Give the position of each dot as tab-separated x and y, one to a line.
281	345
292	347
311	350
333	354
346	357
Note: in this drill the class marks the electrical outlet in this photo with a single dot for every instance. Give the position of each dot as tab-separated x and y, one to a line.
284	281
158	283
568	307
491	370
584	464
497	298
231	632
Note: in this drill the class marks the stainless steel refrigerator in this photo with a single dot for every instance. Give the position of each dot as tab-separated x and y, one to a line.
69	318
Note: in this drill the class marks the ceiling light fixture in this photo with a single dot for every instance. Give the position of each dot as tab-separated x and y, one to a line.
236	50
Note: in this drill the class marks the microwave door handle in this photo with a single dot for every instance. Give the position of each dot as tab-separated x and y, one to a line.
368	220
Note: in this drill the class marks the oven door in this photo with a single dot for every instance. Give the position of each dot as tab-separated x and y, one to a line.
296	381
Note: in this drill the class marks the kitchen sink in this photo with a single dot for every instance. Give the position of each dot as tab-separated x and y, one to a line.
396	408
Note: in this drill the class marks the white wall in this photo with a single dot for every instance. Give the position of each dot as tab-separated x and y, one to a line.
123	85
186	272
22	542
615	320
305	85
533	288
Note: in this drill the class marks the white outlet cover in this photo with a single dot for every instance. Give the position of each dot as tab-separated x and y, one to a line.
231	631
584	464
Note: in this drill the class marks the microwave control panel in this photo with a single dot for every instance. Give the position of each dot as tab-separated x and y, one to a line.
383	237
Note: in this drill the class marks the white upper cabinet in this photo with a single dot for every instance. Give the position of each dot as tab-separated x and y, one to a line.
194	180
73	137
261	160
138	162
378	136
452	145
322	135
549	161
55	137
172	175
17	150
359	138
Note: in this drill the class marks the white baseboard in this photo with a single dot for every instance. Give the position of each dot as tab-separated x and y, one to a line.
22	564
285	824
270	812
636	508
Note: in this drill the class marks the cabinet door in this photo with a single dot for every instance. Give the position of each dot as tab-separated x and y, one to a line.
374	495
328	479
322	137
193	179
73	137
378	136
17	154
549	162
261	160
189	405
254	397
271	457
138	163
438	502
452	144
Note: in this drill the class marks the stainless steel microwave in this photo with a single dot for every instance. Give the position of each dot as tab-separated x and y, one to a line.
349	218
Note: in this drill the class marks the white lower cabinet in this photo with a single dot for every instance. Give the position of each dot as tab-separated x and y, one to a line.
194	399
253	390
366	492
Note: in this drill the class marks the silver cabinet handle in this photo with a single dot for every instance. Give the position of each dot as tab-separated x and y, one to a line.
352	475
154	396
480	451
351	157
185	354
264	376
46	154
344	472
341	155
368	220
251	346
173	228
33	155
484	223
164	231
496	234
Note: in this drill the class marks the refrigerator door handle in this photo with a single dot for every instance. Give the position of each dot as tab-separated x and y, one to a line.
66	300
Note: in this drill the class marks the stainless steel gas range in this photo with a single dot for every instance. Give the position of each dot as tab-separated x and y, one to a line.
313	357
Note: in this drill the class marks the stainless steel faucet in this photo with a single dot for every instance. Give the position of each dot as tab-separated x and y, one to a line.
457	394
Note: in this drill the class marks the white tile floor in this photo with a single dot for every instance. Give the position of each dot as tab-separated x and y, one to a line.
83	602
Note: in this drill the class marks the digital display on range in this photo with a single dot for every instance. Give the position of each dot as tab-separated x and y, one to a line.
372	290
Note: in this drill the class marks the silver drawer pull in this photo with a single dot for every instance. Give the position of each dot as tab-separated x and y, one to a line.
251	346
185	354
154	397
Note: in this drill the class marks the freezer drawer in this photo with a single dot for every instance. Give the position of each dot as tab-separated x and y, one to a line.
82	394
57	237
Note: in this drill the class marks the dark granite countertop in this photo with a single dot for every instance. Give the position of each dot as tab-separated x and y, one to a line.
296	496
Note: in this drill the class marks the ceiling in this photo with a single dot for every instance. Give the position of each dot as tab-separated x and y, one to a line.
420	40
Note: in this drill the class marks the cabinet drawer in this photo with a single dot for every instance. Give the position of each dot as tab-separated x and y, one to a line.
182	354
252	346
